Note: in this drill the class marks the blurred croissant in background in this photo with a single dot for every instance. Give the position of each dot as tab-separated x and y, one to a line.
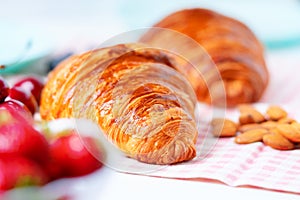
232	46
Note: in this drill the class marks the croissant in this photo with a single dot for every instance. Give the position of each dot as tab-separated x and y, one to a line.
232	46
142	104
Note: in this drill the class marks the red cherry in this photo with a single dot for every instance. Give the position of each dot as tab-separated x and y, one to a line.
18	110
32	84
17	171
53	169
70	153
4	89
18	137
24	96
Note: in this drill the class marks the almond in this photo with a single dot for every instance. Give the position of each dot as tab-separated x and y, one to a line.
290	131
248	127
251	116
296	125
269	125
274	130
277	141
276	113
251	136
223	127
286	120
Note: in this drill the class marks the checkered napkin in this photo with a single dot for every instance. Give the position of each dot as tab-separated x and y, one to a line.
253	164
239	165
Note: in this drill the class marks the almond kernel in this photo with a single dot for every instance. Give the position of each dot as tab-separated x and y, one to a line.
296	125
276	113
277	141
269	125
223	127
248	127
251	136
251	116
286	120
289	131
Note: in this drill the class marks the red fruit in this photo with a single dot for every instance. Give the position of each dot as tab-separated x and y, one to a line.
24	96
19	137
53	169
33	85
17	171
4	89
18	110
72	155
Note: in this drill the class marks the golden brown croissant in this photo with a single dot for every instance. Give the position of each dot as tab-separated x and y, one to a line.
143	105
235	50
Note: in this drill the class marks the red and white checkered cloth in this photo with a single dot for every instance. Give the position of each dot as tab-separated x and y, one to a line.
254	164
243	165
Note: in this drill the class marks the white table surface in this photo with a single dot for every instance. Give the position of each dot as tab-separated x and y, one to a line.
77	24
113	185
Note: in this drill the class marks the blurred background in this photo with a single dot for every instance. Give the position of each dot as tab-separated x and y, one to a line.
276	22
42	27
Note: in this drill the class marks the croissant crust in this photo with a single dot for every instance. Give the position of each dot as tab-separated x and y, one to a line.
142	104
